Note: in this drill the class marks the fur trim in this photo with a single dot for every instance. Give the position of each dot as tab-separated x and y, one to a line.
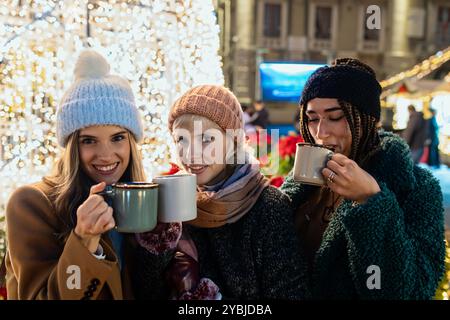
164	237
206	290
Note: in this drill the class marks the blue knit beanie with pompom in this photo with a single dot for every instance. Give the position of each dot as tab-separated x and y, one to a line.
96	98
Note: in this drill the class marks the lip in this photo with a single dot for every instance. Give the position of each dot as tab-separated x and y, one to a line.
106	173
331	146
198	169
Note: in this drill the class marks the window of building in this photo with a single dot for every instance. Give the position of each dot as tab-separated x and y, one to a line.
272	24
443	26
322	25
370	40
272	20
323	20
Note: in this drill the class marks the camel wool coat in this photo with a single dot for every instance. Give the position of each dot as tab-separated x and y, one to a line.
42	266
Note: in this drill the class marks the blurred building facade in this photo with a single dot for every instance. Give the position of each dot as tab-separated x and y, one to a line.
322	30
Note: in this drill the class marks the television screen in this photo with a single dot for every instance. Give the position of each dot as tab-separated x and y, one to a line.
284	81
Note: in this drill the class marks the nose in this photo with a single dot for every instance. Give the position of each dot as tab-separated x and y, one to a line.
322	130
104	153
191	153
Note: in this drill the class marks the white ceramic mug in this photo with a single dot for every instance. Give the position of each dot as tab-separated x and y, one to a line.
310	159
177	197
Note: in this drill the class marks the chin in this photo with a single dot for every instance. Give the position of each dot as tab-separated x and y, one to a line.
202	180
109	180
205	178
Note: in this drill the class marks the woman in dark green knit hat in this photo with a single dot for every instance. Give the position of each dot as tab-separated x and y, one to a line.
376	230
243	244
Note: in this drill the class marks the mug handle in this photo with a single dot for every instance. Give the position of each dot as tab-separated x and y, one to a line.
330	155
107	192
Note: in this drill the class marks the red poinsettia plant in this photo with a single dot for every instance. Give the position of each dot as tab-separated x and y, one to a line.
276	181
174	168
287	147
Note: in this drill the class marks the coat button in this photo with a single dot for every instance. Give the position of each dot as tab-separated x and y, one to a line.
95	281
88	294
92	288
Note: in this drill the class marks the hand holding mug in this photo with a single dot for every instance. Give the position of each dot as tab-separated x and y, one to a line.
94	217
135	205
349	180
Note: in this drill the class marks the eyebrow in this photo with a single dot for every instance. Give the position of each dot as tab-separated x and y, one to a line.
326	110
93	137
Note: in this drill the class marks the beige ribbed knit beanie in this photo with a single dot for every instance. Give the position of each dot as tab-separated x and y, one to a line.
214	102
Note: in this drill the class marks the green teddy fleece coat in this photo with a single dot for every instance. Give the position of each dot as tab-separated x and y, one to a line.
400	230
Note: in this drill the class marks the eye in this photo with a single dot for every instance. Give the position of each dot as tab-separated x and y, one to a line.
312	120
118	138
208	139
337	119
87	141
179	139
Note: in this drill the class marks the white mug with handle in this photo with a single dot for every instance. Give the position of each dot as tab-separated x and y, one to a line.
310	159
177	200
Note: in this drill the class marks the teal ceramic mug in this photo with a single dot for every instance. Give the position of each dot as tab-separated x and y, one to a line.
135	205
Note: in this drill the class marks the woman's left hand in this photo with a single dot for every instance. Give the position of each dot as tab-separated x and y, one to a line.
347	179
163	237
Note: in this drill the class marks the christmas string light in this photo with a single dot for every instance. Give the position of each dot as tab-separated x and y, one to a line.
443	290
163	47
420	70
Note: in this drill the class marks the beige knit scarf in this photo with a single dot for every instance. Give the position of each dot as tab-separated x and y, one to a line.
227	205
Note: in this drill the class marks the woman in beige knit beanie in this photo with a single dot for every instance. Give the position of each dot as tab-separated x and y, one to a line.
243	238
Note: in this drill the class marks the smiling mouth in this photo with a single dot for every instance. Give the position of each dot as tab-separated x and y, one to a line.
197	169
108	169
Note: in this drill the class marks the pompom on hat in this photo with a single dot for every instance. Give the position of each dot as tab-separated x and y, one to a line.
96	98
349	80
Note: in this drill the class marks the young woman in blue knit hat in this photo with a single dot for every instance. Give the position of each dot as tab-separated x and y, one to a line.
60	239
242	244
375	231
